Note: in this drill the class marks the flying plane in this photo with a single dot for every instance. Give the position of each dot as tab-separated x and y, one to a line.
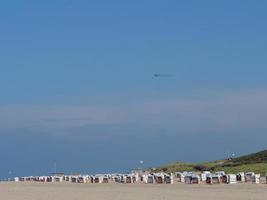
161	75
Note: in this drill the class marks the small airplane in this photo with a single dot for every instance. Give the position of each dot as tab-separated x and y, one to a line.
161	75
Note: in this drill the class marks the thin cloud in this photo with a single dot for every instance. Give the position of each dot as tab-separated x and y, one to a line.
223	112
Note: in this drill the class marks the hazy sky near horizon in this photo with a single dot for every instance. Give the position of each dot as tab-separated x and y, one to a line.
77	85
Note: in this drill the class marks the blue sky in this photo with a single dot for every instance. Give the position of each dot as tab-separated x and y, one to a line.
77	84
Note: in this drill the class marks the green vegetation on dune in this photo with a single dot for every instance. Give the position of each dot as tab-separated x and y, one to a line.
175	167
256	162
259	157
259	168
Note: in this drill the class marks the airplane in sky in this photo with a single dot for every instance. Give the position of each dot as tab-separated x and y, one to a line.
161	75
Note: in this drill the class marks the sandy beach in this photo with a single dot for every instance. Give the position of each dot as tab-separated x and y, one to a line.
66	191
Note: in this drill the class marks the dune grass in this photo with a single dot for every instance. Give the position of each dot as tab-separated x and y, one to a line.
256	162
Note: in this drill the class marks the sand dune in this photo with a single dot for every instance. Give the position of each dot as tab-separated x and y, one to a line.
66	191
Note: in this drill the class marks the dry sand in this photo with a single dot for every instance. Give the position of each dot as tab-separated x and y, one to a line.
68	191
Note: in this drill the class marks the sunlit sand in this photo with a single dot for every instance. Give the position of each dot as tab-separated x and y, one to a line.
68	191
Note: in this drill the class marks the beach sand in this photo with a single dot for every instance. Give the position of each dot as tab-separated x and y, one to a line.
68	191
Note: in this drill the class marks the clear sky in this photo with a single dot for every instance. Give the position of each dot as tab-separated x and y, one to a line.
77	85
